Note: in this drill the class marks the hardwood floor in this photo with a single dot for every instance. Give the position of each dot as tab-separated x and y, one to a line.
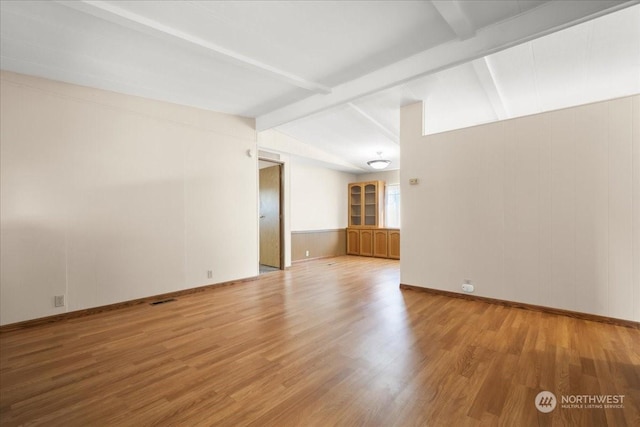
329	342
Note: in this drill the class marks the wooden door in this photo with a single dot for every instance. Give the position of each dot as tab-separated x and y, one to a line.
380	243
366	242
270	216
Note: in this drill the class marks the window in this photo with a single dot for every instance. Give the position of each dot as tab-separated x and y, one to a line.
392	206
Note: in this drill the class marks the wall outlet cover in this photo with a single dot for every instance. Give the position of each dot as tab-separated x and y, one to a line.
58	301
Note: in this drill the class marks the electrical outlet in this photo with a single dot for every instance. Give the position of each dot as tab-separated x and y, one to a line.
306	253
467	286
413	181
58	301
209	274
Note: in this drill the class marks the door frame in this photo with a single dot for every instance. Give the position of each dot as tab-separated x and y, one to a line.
280	207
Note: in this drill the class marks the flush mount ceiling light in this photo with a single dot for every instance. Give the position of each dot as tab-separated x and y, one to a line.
379	163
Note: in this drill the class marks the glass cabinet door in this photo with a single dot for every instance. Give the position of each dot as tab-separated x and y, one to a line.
366	200
370	208
355	205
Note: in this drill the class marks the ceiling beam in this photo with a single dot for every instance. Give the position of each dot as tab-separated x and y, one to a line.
488	83
392	136
117	15
544	19
452	13
279	142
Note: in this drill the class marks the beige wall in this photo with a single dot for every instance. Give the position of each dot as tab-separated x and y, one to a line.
318	197
108	197
542	209
318	244
318	211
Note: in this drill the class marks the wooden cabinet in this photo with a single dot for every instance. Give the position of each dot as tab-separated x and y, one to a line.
380	243
394	243
366	204
366	242
374	242
353	241
366	235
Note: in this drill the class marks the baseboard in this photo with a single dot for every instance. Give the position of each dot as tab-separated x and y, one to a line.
94	310
532	307
325	230
299	261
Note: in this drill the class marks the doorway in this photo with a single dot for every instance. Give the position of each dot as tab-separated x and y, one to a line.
271	227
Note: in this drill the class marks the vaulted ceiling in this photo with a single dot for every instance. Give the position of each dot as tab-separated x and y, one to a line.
333	74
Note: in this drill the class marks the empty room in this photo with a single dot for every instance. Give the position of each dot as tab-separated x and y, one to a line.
320	213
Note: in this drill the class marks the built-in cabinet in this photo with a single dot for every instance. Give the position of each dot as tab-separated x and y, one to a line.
366	204
374	242
353	241
366	235
366	242
393	245
380	243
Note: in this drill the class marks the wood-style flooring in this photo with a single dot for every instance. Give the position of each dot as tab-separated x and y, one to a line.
328	342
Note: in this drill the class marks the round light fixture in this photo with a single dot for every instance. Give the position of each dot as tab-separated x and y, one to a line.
379	163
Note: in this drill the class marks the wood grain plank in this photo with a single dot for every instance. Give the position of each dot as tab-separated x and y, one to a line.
328	342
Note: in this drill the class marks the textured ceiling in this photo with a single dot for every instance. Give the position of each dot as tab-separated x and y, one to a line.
333	74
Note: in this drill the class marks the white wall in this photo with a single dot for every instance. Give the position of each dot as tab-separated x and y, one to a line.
389	177
542	209
108	197
318	197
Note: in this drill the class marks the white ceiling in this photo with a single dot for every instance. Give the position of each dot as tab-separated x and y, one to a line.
333	74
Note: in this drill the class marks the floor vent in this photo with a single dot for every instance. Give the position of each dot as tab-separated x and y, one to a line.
162	302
